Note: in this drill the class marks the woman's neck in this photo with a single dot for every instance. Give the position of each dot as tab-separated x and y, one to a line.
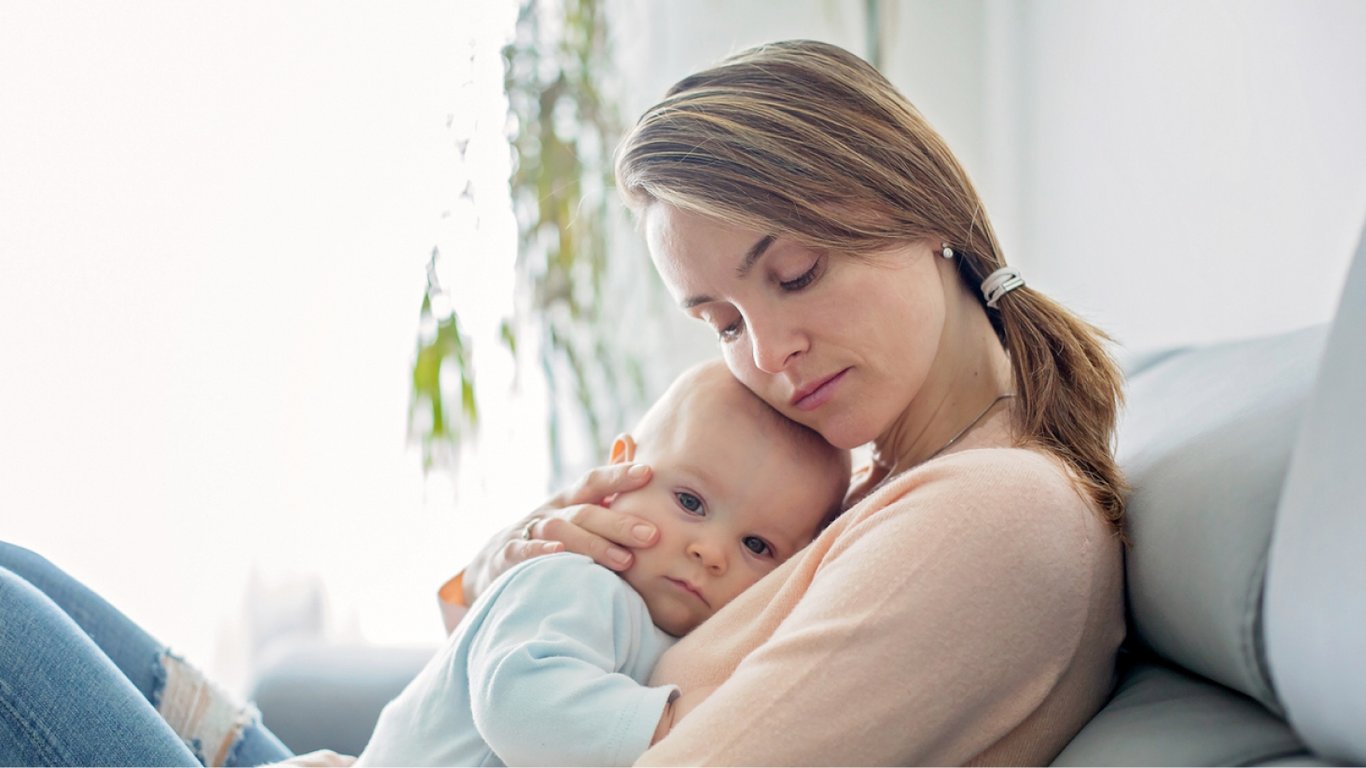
968	377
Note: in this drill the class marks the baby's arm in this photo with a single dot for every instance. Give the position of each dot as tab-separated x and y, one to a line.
548	669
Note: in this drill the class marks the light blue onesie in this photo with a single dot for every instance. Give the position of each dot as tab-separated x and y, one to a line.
548	668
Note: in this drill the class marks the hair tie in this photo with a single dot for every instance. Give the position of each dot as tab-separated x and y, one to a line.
999	283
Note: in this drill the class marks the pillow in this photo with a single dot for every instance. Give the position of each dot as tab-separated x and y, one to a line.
1205	443
1316	577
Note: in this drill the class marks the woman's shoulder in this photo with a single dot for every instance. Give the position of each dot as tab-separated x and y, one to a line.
1024	479
1027	477
1002	529
1000	498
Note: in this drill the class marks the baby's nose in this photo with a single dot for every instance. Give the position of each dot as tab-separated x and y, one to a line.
709	552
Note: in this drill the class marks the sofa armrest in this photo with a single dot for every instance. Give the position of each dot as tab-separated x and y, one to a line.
317	695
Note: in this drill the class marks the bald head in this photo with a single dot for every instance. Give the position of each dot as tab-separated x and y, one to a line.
708	394
703	388
736	489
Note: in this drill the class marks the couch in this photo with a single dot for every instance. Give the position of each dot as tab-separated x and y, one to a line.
1246	580
1246	583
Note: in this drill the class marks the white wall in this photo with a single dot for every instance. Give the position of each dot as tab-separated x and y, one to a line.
1198	167
1178	171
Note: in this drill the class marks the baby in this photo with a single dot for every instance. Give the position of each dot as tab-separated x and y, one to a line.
548	667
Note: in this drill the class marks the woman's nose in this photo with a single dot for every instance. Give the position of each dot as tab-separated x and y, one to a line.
711	554
774	342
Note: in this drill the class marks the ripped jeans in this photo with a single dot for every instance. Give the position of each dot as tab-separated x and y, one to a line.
81	684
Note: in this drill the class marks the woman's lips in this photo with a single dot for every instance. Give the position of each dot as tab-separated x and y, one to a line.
814	396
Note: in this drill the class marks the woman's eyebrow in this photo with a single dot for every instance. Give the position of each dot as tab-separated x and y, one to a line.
753	254
752	257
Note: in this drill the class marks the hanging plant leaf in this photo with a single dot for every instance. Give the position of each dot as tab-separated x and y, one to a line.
561	129
561	187
442	377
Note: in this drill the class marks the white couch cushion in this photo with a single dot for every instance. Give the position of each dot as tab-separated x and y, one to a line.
1316	577
1205	443
1160	716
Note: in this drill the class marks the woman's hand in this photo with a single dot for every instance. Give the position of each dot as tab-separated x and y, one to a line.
574	520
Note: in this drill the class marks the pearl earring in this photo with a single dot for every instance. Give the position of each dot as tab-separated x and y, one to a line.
947	252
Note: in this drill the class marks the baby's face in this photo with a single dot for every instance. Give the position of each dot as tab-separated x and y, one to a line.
730	504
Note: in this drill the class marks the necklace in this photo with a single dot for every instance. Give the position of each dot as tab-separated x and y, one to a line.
953	439
970	425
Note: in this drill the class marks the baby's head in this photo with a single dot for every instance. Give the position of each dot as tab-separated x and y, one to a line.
737	489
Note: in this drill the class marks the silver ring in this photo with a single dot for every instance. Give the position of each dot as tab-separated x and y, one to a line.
526	529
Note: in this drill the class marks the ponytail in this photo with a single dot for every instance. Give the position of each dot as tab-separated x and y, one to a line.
1068	392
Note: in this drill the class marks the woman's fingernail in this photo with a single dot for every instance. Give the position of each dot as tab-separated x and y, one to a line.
643	533
618	556
638	470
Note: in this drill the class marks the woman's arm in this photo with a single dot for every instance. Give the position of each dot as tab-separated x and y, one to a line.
574	520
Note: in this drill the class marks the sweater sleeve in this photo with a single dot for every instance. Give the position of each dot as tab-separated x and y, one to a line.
928	630
544	685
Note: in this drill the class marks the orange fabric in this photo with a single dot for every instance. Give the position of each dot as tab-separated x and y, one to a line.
969	611
451	600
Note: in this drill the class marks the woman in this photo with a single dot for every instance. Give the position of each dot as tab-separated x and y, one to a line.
967	607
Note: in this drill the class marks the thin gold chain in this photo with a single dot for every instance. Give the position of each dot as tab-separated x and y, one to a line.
970	425
892	471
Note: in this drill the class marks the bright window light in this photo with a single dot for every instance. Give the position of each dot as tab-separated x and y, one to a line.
216	223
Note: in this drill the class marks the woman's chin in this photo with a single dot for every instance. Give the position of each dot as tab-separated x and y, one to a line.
843	434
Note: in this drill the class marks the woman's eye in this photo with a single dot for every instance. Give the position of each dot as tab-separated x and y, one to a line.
730	332
689	502
717	319
804	279
757	545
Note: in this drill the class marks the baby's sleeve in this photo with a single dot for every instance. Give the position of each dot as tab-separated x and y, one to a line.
547	670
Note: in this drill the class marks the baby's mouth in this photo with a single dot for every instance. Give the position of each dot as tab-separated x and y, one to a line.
688	587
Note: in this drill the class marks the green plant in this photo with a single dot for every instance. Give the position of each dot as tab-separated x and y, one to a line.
563	130
442	356
562	192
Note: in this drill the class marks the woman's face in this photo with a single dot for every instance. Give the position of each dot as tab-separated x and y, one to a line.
839	343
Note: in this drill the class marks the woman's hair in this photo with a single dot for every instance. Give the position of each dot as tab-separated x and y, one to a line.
805	140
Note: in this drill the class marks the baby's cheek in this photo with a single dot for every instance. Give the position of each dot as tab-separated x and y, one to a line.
645	503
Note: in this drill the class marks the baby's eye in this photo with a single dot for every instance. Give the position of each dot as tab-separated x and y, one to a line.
689	502
758	546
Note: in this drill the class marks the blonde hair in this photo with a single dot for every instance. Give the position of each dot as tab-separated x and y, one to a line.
805	140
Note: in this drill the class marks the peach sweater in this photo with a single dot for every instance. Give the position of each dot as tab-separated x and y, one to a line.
968	611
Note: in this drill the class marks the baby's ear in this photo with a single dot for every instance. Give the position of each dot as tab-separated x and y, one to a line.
623	449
